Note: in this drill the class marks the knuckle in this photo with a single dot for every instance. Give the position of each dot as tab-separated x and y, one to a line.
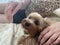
51	39
45	37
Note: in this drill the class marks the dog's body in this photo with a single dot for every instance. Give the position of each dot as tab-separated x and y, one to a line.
33	25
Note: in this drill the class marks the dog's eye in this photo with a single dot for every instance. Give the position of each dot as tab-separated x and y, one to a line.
36	22
30	17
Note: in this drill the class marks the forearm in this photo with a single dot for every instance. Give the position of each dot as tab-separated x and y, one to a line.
3	19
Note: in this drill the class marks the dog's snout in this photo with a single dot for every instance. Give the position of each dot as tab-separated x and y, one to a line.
27	24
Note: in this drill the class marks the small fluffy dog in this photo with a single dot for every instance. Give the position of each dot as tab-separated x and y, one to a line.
33	25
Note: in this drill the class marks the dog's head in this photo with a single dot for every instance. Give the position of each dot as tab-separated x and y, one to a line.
34	23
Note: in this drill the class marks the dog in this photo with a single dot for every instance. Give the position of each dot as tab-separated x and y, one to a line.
33	25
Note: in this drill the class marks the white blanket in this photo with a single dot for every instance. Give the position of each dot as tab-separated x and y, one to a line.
9	33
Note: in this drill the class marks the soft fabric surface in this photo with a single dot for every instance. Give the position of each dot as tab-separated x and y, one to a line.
44	7
2	7
9	33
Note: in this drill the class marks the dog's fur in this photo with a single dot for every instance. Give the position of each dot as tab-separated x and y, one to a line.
33	25
36	23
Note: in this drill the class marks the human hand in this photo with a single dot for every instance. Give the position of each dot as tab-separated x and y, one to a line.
50	35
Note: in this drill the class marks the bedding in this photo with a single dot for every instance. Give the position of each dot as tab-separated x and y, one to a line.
9	33
44	7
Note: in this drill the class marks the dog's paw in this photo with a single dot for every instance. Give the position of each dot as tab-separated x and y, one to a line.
22	39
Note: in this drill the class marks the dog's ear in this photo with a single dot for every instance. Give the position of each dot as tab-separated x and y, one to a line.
43	24
46	20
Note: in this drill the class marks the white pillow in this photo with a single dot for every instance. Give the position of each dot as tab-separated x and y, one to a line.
57	12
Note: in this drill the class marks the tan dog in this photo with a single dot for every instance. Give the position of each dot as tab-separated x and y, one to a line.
33	25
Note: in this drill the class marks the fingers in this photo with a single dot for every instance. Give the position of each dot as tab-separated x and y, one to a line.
57	41
52	39
45	37
43	33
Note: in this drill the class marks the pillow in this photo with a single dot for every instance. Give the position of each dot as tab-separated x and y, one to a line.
57	12
44	7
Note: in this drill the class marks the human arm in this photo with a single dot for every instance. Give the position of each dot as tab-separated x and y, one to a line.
13	8
3	19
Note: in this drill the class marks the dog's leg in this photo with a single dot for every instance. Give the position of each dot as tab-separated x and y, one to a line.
27	40
22	39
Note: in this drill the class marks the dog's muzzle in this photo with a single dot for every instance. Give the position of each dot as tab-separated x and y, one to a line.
27	24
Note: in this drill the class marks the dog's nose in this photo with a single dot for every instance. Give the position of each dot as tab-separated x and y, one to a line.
27	24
